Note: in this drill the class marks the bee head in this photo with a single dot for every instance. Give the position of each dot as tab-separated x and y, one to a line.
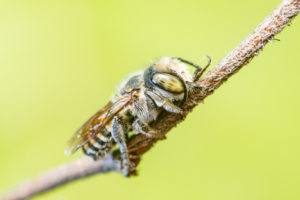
167	74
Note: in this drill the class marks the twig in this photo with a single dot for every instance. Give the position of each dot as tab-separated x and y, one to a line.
83	167
139	144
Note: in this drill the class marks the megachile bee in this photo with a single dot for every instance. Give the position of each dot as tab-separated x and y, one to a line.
162	87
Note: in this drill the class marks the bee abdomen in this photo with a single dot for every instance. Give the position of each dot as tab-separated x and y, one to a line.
89	151
97	147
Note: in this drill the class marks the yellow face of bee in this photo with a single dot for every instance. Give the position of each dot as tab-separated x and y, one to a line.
169	82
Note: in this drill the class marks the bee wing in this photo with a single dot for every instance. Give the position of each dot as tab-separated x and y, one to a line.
97	122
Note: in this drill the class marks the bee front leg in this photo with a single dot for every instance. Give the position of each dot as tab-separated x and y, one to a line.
119	137
164	102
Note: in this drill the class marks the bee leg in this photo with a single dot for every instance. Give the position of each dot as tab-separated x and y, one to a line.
140	127
119	137
164	102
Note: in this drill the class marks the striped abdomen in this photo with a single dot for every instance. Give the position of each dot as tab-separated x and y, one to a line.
99	145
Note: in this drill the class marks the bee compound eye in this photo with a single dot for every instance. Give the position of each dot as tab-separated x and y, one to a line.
169	82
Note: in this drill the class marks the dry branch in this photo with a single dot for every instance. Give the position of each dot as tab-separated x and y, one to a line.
139	144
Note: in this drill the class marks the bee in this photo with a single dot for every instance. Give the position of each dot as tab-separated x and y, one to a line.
141	99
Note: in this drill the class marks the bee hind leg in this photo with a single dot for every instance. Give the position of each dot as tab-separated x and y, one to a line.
119	137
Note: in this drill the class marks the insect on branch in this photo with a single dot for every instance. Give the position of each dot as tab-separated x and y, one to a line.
139	144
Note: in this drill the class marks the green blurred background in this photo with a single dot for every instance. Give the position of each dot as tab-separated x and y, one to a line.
60	61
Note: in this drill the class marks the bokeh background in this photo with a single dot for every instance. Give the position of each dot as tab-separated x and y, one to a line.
60	61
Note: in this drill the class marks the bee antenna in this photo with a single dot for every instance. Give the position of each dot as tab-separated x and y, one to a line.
199	70
189	63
